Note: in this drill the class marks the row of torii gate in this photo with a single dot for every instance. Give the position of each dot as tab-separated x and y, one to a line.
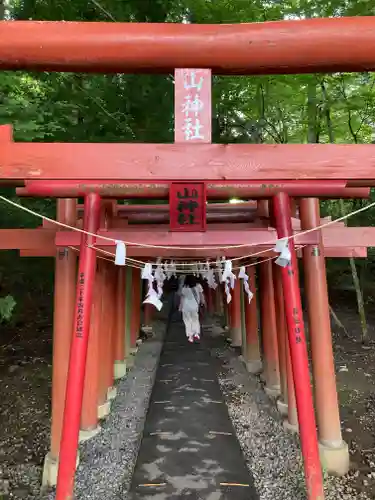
97	310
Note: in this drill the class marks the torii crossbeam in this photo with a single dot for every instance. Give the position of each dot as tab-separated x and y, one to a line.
274	172
297	46
215	163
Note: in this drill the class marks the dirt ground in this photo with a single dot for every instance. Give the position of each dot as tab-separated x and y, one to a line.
25	385
355	368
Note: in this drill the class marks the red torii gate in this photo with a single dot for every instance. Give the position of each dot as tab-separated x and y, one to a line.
313	45
280	47
228	189
234	242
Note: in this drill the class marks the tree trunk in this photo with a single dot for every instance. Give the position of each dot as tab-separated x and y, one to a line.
358	290
338	322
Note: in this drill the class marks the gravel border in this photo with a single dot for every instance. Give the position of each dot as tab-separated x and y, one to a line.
107	461
272	454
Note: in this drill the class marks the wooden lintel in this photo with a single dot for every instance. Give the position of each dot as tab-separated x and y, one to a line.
338	237
332	237
18	239
287	46
144	253
155	163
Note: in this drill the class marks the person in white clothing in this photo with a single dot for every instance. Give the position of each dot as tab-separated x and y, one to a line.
191	295
199	290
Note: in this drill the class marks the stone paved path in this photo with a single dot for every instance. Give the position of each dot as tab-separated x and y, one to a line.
189	448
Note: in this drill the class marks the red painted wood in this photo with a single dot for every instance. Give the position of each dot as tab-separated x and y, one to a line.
40	242
148	315
214	219
282	339
135	309
217	222
298	46
212	227
215	191
299	356
160	218
296	223
332	237
120	314
30	239
235	315
192	117
357	252
104	349
216	212
337	241
268	325
187	162
187	207
166	238
358	236
109	323
319	320
89	415
78	353
6	133
247	206
252	353
63	318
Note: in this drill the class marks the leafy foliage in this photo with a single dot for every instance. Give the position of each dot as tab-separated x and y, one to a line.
110	108
7	304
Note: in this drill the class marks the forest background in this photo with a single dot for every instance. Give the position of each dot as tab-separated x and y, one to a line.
336	108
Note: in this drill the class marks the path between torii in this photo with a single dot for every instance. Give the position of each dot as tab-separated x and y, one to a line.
189	448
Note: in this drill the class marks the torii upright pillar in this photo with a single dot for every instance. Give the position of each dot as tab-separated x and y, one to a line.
135	309
298	350
120	344
269	329
210	300
78	351
236	315
252	355
333	450
109	328
281	339
128	316
219	305
89	415
148	314
104	404
64	296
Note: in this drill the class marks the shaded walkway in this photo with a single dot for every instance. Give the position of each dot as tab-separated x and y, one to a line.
189	448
